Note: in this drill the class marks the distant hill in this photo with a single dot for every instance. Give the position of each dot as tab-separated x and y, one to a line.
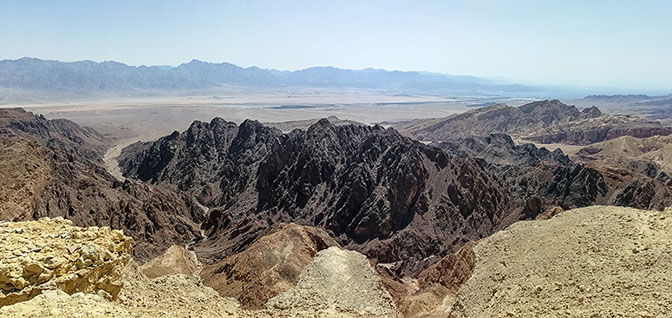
616	98
88	76
543	122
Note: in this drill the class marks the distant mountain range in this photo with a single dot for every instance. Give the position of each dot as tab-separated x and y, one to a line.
637	99
88	76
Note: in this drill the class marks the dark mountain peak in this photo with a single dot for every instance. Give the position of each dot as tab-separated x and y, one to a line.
220	122
548	105
591	112
321	126
503	139
251	125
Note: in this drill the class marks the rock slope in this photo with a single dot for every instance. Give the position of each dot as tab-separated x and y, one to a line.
58	304
542	179
638	169
494	119
590	262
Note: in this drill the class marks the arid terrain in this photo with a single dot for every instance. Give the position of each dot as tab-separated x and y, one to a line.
335	159
336	218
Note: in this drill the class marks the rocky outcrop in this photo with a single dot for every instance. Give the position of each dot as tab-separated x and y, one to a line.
613	172
589	262
387	196
601	129
591	112
269	266
53	254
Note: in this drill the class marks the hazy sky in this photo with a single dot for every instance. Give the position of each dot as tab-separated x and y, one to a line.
578	43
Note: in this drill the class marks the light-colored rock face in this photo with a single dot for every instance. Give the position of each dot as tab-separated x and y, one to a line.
175	260
589	262
52	254
270	266
58	304
337	281
172	296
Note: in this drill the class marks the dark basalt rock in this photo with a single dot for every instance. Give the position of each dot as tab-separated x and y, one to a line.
390	197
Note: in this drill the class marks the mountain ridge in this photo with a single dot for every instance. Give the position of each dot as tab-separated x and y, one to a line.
33	73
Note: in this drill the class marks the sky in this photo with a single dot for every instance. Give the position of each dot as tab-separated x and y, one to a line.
625	44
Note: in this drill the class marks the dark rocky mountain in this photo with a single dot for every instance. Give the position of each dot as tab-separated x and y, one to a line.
56	134
542	122
539	177
392	198
88	76
45	171
543	179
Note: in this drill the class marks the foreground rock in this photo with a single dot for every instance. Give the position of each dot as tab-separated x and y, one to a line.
51	269
590	262
172	296
52	254
338	281
270	266
58	304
